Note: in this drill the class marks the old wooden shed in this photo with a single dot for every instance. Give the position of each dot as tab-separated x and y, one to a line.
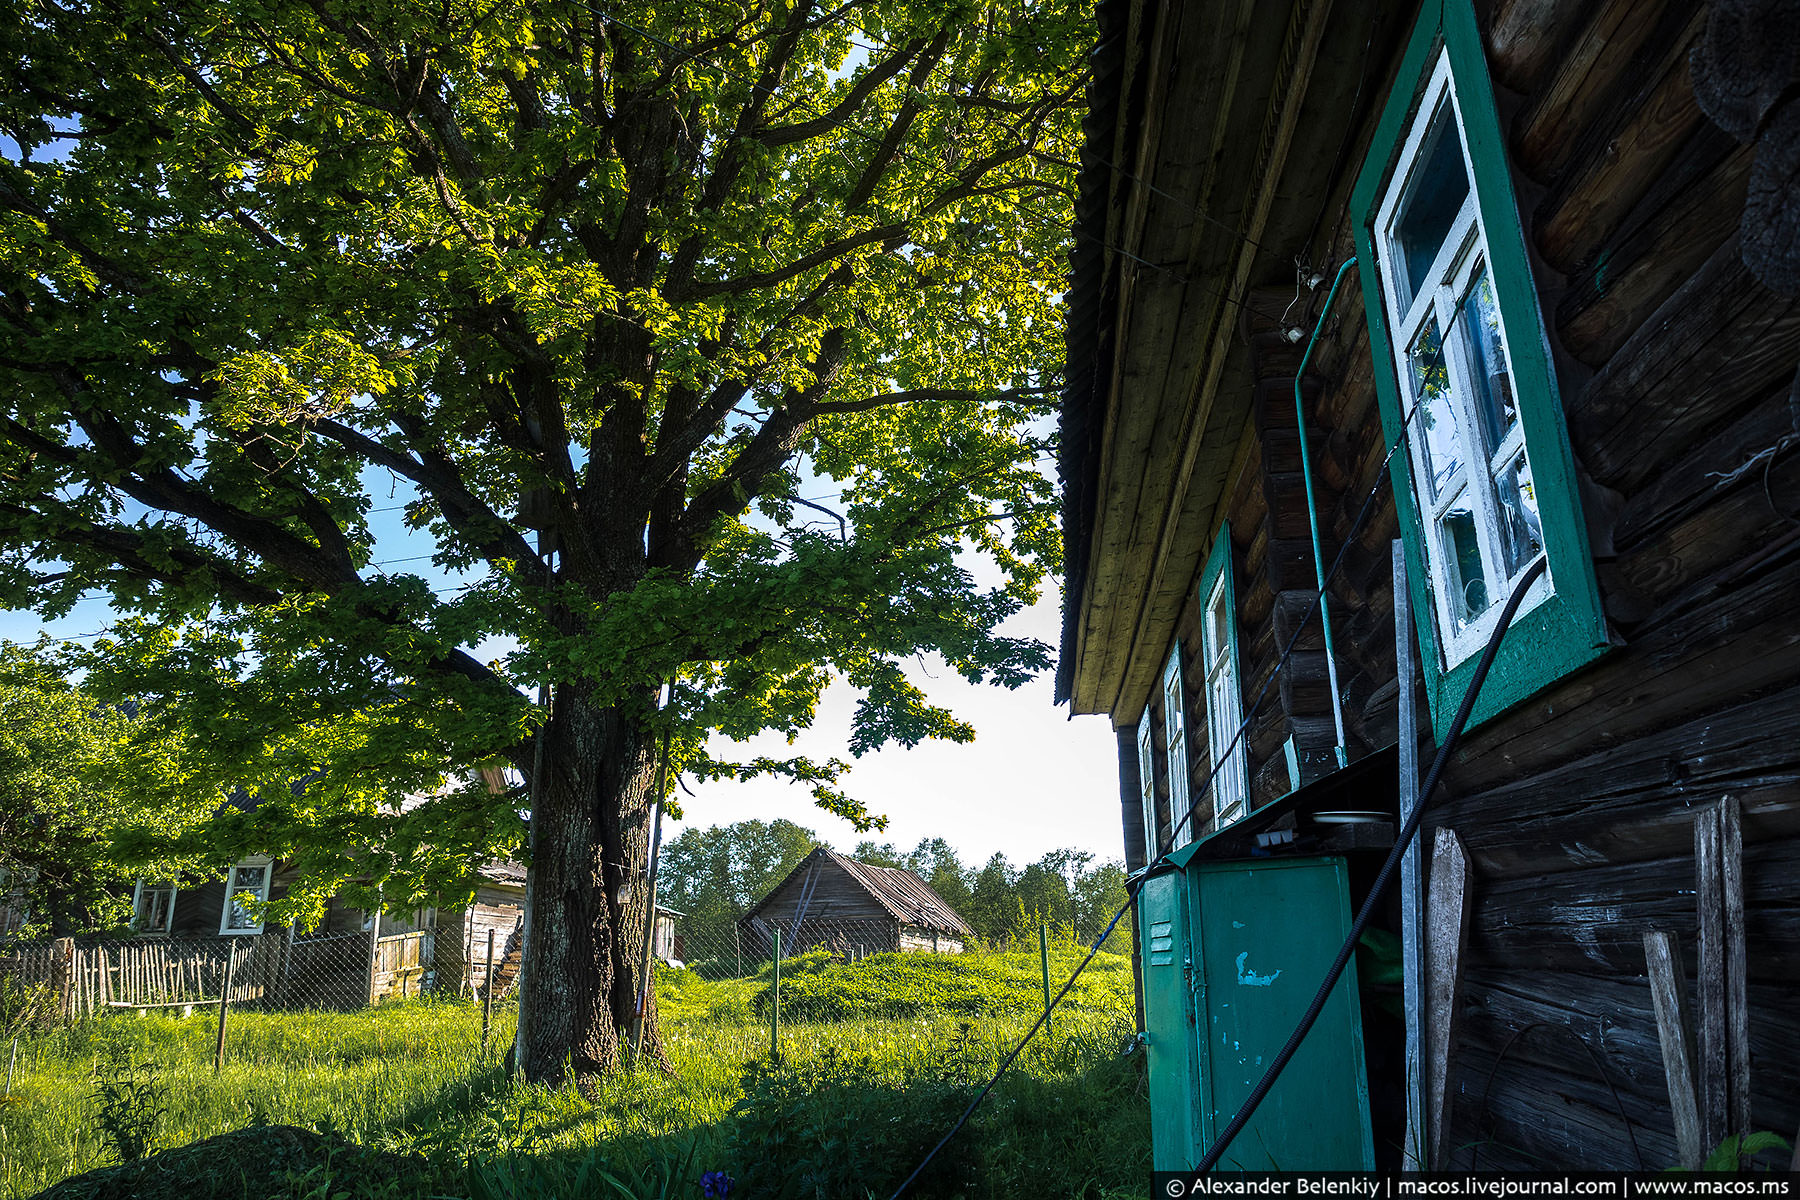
836	902
1511	283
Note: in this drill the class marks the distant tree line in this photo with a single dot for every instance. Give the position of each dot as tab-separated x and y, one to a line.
713	876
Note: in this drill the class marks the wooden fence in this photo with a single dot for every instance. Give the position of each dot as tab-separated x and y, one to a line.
341	971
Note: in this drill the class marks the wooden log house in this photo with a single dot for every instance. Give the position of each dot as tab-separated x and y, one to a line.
833	901
1534	265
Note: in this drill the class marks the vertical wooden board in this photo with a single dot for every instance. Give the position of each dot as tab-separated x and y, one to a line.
1668	993
1412	944
1737	1006
1446	937
1714	1061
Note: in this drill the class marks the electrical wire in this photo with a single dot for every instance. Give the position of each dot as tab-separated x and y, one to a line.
1166	842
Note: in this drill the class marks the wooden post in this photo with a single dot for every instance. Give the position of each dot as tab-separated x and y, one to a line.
374	952
775	1007
1724	1071
487	995
224	1007
1662	959
12	1060
1044	959
737	936
1412	940
62	977
1446	937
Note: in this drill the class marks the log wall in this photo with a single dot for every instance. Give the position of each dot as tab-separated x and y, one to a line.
1678	378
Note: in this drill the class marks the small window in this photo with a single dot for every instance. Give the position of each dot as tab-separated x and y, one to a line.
153	907
1224	690
1175	750
1487	485
1147	786
246	890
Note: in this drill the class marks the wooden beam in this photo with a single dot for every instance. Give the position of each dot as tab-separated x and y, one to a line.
1412	945
1668	991
1724	1008
1446	937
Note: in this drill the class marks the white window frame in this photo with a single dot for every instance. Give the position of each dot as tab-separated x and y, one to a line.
137	900
1224	705
1175	749
1147	785
232	892
1445	286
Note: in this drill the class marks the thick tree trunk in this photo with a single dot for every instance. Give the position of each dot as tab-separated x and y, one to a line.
583	961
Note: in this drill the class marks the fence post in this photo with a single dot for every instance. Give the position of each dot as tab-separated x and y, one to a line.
775	1007
62	977
487	995
224	1006
1044	957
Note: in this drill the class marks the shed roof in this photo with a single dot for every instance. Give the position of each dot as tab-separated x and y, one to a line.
903	894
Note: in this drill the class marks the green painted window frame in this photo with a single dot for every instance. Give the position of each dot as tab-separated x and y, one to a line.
1567	630
1216	575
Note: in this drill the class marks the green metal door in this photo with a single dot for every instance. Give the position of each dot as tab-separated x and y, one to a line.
1169	1021
1265	931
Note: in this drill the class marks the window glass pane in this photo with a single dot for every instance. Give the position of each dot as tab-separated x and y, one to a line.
251	882
1479	322
1435	195
1521	528
1437	415
1462	561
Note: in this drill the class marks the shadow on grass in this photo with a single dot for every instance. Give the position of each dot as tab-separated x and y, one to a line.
1072	1120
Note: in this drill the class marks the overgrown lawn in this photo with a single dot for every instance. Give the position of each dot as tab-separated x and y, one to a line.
878	1058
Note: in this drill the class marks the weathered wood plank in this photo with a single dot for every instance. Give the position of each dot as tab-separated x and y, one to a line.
1617	164
1714	1063
1446	937
1593	921
1526	38
1689	213
1718	344
1606	56
1744	643
1668	991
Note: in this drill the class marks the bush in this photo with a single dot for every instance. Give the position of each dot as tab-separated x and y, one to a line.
907	985
834	1128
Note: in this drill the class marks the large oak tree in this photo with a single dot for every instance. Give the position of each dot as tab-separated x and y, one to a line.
600	291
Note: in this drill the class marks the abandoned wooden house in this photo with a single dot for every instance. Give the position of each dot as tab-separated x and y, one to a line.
356	956
1410	307
840	904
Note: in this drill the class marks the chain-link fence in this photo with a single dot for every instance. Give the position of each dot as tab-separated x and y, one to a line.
756	983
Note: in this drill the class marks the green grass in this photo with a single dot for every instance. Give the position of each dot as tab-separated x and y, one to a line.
878	1058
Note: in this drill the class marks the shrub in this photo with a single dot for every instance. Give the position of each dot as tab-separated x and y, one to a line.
834	1128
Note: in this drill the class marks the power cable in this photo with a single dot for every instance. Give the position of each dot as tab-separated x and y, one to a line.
1166	842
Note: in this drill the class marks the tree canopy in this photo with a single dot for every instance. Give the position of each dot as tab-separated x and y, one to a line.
707	341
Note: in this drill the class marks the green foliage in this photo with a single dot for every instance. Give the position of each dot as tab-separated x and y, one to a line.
129	1105
715	875
67	797
897	986
712	876
1734	1153
23	1005
401	1103
842	1126
624	283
